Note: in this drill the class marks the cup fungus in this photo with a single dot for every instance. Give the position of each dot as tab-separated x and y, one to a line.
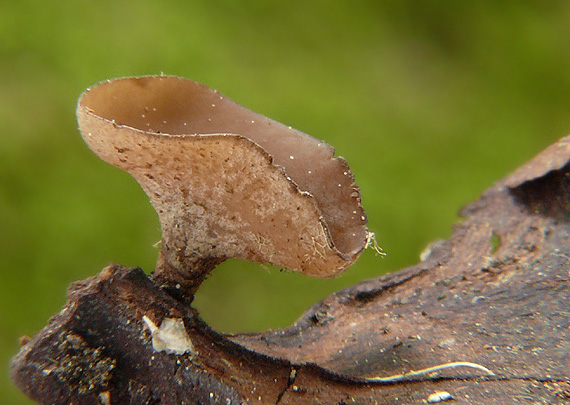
224	180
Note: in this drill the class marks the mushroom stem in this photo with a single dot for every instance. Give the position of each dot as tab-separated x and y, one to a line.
183	278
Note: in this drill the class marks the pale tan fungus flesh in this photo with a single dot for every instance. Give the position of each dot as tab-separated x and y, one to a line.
224	180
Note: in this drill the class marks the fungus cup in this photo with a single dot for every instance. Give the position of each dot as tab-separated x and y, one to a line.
224	180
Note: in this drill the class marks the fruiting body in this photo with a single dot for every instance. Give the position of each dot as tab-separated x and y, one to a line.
225	181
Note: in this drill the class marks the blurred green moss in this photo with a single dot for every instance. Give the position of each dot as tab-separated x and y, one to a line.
430	102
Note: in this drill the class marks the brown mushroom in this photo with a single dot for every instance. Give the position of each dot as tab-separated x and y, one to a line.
224	180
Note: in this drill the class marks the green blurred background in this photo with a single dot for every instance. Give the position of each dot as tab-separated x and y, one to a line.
430	102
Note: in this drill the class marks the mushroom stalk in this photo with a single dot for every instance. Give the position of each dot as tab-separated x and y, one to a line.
224	180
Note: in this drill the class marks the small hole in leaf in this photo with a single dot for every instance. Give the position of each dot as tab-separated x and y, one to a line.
495	243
